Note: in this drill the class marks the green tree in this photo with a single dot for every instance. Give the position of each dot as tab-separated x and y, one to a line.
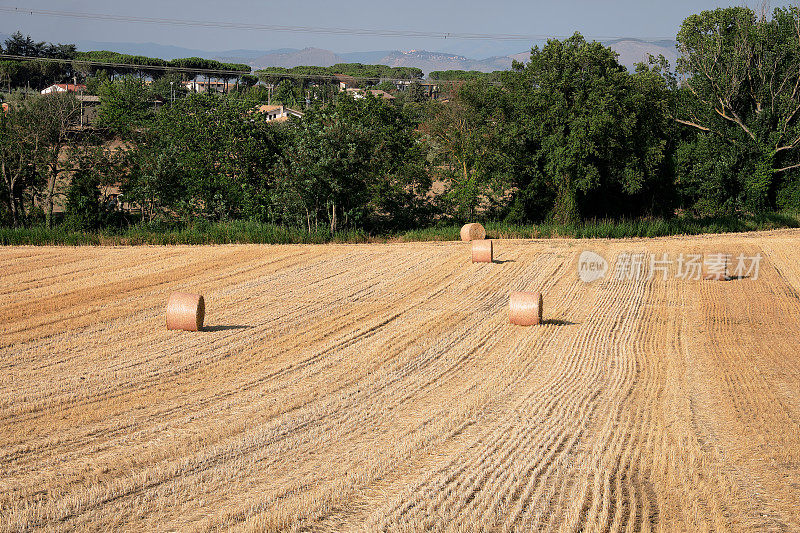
36	74
20	148
83	209
209	156
23	45
465	136
35	136
249	80
742	74
167	87
387	86
353	164
586	130
92	167
154	180
287	93
456	75
416	93
55	115
707	175
125	105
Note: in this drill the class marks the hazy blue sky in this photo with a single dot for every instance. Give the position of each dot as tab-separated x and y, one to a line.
628	18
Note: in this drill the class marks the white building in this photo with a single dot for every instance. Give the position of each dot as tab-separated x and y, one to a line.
278	113
64	88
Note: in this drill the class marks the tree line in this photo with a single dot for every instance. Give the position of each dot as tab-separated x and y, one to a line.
569	135
35	74
355	70
74	65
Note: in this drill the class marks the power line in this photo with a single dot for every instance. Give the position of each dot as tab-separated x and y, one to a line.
296	29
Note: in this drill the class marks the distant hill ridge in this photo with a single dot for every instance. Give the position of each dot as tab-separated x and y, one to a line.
630	52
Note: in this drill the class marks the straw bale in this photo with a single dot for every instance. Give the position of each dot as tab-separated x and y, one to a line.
482	251
185	311
472	232
525	308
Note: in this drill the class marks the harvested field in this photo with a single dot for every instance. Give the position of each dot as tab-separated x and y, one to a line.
381	387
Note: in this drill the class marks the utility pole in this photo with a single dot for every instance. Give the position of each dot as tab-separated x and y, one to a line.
80	96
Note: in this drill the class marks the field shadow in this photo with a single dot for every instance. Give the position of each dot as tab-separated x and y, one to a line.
501	262
555	322
223	328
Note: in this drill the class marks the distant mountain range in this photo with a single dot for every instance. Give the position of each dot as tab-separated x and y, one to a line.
630	52
422	59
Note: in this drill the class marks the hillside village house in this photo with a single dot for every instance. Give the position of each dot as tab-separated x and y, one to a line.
350	85
278	113
345	82
430	89
64	88
89	105
203	86
360	93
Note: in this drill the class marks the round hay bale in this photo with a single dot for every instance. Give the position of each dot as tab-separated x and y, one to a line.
185	311
525	308
482	251
472	232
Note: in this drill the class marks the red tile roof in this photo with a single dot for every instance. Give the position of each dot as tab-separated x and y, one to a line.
69	87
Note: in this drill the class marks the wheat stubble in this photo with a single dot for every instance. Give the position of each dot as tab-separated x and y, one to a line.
380	387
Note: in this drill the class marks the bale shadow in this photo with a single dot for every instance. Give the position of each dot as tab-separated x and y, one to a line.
555	322
223	328
501	262
735	278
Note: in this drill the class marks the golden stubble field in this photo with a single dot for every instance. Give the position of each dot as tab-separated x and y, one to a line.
380	387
